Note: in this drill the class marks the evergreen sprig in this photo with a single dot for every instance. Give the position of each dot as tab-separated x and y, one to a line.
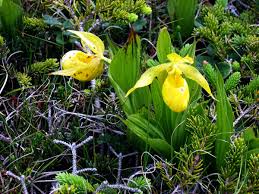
23	79
124	10
79	184
232	81
43	67
234	164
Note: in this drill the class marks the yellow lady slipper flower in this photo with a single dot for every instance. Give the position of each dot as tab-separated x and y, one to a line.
175	89
84	66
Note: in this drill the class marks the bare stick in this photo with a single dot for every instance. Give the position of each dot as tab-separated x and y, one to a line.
73	147
21	179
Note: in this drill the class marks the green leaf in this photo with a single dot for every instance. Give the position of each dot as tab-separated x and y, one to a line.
183	12
164	45
149	133
52	21
224	123
125	102
224	68
124	71
188	49
224	3
10	15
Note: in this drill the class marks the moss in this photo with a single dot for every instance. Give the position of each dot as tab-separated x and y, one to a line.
46	66
33	23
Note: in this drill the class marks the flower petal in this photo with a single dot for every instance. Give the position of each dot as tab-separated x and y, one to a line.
93	42
81	66
148	76
192	73
82	74
176	59
175	92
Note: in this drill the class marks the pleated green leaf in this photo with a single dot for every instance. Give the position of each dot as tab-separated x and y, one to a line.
124	71
149	133
182	13
10	15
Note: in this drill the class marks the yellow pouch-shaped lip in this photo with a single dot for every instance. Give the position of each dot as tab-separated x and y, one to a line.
175	92
81	66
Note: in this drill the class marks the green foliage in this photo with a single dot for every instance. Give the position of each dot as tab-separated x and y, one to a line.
202	132
253	86
190	168
223	3
44	67
130	58
160	128
210	73
23	79
141	183
164	45
229	36
124	10
1	41
33	23
236	66
84	13
77	183
224	122
234	161
251	137
10	15
191	159
232	81
253	173
241	171
183	12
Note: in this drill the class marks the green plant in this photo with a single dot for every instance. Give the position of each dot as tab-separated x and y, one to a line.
224	122
34	24
240	173
141	183
10	15
23	79
228	37
148	117
232	81
182	13
193	158
84	13
73	184
223	3
44	67
1	41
